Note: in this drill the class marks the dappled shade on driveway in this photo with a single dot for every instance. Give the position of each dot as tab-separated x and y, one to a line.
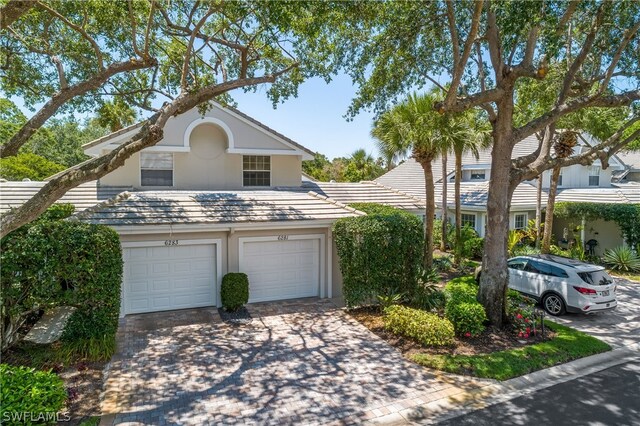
302	361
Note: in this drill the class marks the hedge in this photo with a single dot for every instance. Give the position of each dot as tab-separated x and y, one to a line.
379	254
59	262
28	396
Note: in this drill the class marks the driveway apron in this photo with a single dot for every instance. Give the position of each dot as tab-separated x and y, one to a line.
302	362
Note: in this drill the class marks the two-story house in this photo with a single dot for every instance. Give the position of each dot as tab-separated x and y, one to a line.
220	193
577	183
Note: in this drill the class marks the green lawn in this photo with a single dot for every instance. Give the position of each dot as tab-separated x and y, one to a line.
569	344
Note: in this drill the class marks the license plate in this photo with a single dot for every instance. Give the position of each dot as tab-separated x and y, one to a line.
605	293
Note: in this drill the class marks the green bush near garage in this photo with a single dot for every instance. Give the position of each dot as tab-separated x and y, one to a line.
54	262
31	393
379	254
234	291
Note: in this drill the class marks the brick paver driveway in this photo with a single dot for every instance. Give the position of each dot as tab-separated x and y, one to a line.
302	362
620	327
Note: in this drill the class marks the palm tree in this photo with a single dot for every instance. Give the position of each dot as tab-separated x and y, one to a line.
443	240
115	115
466	133
362	166
563	146
415	126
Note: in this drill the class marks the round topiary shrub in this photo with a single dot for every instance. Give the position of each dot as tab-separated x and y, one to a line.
468	318
234	292
29	396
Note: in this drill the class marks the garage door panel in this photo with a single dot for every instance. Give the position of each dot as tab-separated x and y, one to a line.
280	270
164	278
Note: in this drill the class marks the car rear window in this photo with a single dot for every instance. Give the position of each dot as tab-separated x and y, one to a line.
596	277
546	269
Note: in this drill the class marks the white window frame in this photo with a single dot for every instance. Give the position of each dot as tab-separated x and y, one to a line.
478	171
515	220
592	170
270	171
173	170
475	220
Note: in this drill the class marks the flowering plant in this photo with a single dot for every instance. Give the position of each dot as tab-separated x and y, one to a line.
523	322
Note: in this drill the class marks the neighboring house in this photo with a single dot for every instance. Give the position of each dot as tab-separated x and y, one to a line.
220	193
577	183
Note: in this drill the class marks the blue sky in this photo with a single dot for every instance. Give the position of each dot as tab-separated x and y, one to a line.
315	118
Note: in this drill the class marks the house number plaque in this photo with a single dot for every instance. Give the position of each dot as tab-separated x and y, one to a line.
171	242
283	237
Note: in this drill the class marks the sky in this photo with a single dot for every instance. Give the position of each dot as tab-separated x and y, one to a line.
315	118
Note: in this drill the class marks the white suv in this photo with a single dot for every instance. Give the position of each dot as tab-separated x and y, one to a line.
562	284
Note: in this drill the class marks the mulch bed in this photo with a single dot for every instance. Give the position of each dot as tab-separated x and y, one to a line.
488	342
239	317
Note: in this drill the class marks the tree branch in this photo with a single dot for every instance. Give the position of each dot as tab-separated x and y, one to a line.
477	99
460	61
626	39
77	28
493	40
559	111
49	109
12	11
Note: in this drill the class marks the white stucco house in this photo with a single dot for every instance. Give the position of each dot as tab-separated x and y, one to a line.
220	193
615	184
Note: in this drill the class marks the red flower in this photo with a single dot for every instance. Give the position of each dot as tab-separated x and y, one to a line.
528	330
520	334
467	334
519	316
526	335
526	320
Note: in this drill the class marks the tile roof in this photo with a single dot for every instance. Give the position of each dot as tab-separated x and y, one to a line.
14	194
409	177
363	192
229	207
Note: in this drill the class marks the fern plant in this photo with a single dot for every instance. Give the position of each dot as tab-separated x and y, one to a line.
622	259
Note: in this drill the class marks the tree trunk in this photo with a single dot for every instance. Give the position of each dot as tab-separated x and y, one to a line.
458	179
429	213
443	240
538	208
495	275
548	214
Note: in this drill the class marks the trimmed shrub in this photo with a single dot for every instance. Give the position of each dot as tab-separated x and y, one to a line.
426	328
462	308
467	317
53	263
380	253
234	292
25	390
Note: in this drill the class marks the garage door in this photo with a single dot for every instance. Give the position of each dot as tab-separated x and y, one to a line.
161	278
280	270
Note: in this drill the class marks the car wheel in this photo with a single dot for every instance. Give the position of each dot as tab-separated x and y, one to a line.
553	304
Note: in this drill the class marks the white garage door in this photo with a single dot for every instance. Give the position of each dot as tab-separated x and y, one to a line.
161	278
280	270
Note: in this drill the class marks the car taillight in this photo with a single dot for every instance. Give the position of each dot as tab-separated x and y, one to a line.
584	290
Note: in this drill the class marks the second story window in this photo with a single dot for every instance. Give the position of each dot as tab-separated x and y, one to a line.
156	169
594	176
256	170
560	178
468	219
478	175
